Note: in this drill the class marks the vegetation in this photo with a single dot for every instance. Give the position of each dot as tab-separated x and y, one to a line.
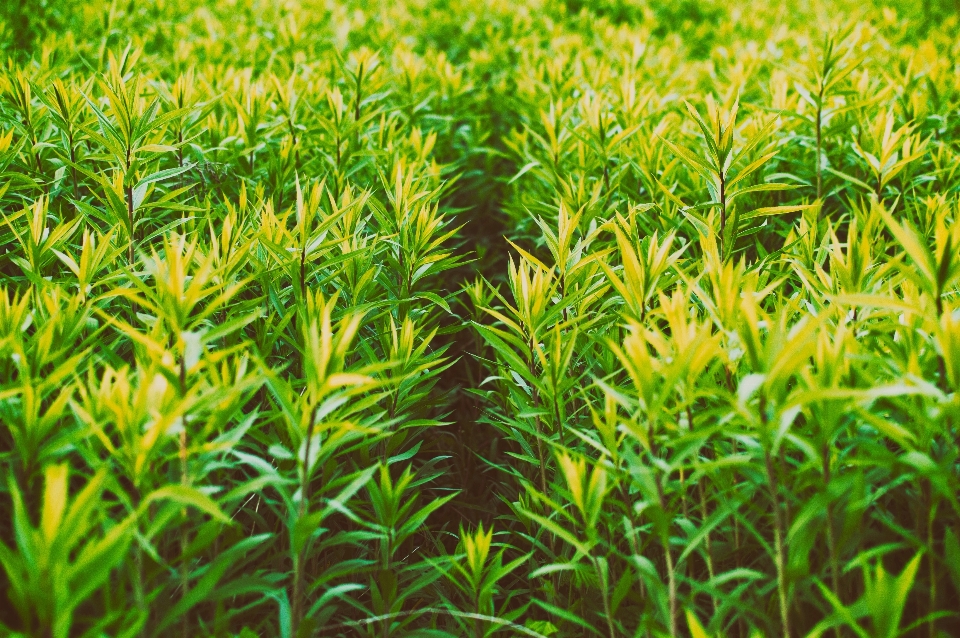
477	318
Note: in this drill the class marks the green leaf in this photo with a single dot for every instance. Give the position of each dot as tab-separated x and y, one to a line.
188	496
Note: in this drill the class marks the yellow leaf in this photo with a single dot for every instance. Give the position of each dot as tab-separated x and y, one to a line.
54	500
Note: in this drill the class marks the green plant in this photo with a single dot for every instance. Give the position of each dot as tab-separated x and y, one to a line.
299	302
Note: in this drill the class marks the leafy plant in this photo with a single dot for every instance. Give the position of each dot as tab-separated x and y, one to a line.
479	319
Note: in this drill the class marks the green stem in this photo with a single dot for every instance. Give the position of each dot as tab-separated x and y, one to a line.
773	486
831	538
820	145
184	535
671	587
723	213
298	569
605	595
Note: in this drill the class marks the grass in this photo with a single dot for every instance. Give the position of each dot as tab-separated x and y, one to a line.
455	318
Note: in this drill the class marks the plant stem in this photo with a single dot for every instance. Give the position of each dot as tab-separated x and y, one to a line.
671	587
831	540
704	512
138	581
303	266
73	167
605	595
668	557
931	514
723	213
773	486
300	562
296	144
356	109
820	144
138	596
130	222
535	395
184	537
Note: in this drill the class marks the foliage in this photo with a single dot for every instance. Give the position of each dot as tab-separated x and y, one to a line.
479	319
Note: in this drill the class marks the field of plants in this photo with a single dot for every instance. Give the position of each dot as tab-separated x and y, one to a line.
473	318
